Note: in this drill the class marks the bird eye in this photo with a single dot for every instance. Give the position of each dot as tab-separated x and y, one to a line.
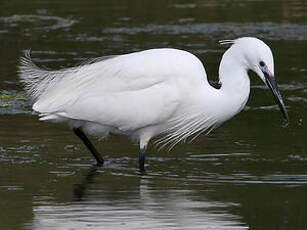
261	63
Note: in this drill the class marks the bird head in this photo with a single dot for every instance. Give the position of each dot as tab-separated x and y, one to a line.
258	57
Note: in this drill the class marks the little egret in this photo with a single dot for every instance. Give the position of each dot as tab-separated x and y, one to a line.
157	92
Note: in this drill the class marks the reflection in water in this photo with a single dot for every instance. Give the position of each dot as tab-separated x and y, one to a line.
142	207
80	189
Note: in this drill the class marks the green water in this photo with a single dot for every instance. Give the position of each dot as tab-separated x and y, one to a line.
251	173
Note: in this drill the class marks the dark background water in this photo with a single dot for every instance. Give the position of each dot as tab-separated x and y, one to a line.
249	173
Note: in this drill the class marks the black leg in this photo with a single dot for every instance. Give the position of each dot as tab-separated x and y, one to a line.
89	145
142	159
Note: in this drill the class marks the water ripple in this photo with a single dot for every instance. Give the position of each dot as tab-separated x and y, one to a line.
39	22
265	30
283	179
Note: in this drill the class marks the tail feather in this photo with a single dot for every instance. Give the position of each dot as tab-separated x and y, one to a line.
36	80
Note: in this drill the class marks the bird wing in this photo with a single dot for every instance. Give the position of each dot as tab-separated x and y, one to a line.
129	110
118	90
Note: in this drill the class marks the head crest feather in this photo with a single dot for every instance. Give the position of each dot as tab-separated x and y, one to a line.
226	42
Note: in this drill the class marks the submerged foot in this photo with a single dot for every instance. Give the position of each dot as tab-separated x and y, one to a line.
99	164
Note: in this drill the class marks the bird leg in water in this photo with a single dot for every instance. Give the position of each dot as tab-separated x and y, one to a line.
89	145
142	159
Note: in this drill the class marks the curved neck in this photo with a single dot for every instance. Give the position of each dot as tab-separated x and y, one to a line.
233	75
235	85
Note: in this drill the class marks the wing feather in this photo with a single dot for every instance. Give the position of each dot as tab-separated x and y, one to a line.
53	91
127	111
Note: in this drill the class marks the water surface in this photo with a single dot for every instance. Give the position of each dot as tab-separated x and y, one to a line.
248	174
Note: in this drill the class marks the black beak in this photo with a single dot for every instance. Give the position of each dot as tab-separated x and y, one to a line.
271	83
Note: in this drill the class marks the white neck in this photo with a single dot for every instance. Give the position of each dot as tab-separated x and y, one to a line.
235	82
233	72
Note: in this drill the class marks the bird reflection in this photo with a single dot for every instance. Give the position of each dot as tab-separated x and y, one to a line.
79	190
124	200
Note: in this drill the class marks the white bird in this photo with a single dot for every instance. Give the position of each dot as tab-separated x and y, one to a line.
156	92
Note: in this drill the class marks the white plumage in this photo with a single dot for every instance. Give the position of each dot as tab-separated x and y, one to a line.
144	94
